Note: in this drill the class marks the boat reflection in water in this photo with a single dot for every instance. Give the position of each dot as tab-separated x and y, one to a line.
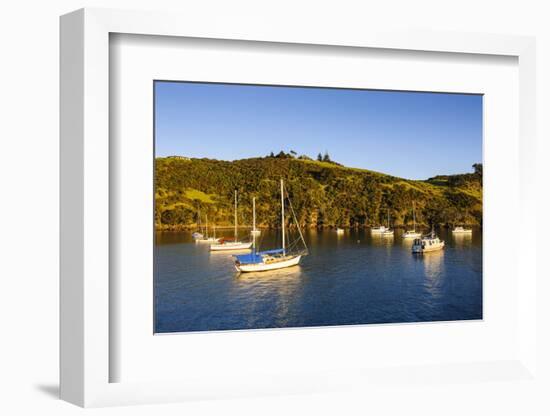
358	278
282	287
462	239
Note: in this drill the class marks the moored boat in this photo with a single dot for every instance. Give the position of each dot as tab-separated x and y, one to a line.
378	230
204	238
461	230
226	245
261	261
427	243
412	233
339	231
235	244
387	232
254	231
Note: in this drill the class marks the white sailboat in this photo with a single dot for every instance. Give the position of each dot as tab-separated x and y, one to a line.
204	237
235	244
378	230
260	261
461	230
388	232
254	232
197	235
339	231
412	233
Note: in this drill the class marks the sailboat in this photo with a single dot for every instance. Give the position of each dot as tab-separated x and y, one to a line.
198	234
260	261
461	230
204	238
387	232
254	232
235	244
378	230
412	233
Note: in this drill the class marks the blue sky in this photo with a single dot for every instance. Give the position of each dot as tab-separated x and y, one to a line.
407	134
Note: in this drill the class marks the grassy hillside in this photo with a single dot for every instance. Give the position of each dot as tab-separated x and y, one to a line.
324	194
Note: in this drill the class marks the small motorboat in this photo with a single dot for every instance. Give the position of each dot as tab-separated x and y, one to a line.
427	243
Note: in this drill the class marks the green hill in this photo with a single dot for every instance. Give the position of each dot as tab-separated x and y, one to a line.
323	194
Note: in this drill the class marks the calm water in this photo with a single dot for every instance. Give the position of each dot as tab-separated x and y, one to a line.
355	278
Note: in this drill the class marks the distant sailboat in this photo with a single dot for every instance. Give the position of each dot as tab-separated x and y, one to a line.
461	230
197	235
412	233
254	231
235	244
378	230
388	232
260	261
205	238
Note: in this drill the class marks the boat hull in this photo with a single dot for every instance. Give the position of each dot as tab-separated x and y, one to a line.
230	246
412	235
264	267
427	249
207	240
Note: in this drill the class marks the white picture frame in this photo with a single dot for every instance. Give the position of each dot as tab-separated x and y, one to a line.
85	210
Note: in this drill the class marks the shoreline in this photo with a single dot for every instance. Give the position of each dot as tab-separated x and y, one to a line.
187	228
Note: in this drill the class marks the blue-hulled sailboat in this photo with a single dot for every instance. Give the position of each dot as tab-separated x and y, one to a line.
260	261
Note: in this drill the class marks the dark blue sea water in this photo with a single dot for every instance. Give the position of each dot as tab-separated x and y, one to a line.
351	279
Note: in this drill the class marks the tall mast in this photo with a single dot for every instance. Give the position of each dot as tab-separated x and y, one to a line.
254	214
206	227
414	217
253	225
200	222
283	215
235	215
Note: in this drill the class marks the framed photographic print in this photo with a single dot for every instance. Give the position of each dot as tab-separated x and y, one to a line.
361	224
268	212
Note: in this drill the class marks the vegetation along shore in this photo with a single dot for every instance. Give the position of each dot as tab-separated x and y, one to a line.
324	194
